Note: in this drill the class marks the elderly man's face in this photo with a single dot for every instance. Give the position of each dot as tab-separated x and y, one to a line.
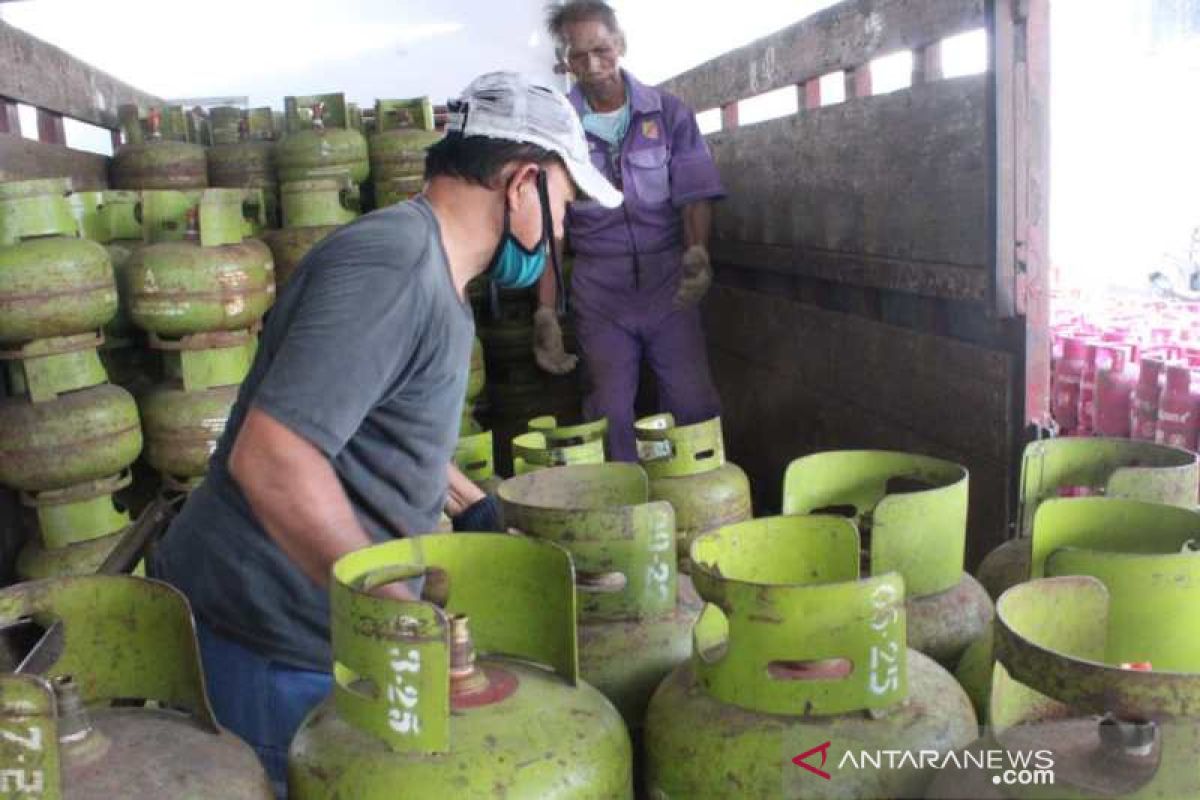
593	55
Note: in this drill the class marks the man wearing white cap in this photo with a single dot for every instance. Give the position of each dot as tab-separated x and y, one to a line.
342	433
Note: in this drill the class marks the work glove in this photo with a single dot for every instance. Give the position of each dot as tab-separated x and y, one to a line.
548	343
697	276
483	515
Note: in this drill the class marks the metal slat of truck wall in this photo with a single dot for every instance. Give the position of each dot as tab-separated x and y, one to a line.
845	36
797	379
888	192
24	159
44	76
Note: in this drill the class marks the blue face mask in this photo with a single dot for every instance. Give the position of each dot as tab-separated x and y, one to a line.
514	266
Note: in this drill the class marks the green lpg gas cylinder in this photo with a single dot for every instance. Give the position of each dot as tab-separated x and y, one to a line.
240	160
1124	543
77	437
119	228
477	376
319	202
85	207
687	468
911	514
52	283
182	428
110	701
797	659
632	628
155	160
389	191
45	369
477	697
1072	716
507	342
213	281
121	327
312	209
78	528
549	444
320	142
290	245
405	129
475	457
164	214
120	216
228	125
1111	467
467	425
185	417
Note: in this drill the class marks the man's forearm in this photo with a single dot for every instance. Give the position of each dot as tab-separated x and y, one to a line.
697	223
295	494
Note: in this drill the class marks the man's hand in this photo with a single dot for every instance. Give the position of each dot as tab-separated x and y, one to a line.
548	343
697	277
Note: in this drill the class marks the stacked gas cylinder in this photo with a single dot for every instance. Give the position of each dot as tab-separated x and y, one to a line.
403	130
808	615
113	218
1120	510
1126	368
199	298
116	706
322	162
519	390
67	435
1092	662
242	155
159	152
633	625
548	443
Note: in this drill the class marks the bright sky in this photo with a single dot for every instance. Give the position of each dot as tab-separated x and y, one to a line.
1125	122
1124	160
369	47
267	49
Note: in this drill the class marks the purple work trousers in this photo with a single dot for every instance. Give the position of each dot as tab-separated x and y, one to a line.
622	317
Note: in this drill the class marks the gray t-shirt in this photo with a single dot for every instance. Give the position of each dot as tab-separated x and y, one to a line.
365	354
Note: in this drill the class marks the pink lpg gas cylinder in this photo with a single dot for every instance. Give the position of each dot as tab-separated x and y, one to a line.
1085	420
1068	372
1177	418
1143	411
1116	377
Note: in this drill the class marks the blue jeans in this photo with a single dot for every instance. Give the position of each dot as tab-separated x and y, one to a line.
261	700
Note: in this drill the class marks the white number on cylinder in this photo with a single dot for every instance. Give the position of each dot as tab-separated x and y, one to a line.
403	696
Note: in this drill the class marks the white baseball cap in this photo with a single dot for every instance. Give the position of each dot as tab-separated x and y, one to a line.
509	105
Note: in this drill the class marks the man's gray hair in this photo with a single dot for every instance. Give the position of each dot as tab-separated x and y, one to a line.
559	15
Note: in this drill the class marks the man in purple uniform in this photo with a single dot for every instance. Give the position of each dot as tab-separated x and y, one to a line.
641	269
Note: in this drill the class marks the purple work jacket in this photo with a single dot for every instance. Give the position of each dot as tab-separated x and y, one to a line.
662	165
